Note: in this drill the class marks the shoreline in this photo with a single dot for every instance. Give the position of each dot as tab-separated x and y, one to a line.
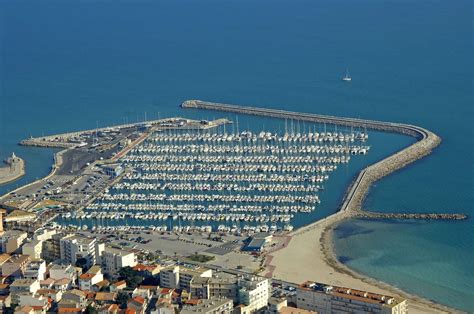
416	302
57	161
312	248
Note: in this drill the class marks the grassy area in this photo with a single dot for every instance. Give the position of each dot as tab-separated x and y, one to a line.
201	258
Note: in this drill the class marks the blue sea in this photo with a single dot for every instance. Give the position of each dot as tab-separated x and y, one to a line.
69	65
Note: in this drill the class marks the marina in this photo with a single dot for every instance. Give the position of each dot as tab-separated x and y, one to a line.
214	180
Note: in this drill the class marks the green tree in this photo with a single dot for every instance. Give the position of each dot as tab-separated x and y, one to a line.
122	298
126	272
91	310
131	276
134	281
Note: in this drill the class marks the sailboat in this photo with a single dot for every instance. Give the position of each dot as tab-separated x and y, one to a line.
347	77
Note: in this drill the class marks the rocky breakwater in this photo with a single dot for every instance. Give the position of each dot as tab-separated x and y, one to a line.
422	216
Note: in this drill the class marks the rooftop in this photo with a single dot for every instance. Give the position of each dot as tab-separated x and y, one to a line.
18	259
116	251
4	257
105	296
207	305
349	293
62	282
11	234
86	276
25	282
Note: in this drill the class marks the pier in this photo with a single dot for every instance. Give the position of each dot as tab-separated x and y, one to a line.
352	204
80	138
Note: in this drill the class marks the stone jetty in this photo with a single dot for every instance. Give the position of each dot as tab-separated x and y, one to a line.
14	169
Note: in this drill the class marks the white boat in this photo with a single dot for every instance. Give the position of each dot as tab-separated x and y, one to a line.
347	77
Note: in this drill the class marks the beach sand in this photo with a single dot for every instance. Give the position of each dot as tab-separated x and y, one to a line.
309	255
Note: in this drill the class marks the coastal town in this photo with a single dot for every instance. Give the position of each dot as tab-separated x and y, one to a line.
60	272
194	216
230	157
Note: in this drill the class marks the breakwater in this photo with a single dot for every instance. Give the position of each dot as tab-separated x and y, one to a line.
14	169
352	204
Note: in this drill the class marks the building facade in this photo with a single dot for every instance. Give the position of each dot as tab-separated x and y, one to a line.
114	259
254	293
74	247
11	240
328	299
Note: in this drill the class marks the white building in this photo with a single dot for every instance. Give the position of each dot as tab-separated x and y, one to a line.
74	247
93	276
44	234
30	300
11	240
114	259
180	277
60	271
253	293
169	277
36	269
33	248
23	287
327	299
213	305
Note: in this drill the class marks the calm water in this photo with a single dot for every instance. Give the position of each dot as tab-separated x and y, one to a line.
68	65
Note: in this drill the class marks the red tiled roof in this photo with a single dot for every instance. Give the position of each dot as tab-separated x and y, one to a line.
110	308
193	301
141	267
139	299
48	281
149	287
63	281
69	310
90	295
86	276
130	311
165	290
119	283
103	283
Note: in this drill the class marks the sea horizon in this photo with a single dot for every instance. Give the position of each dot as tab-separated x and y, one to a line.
74	71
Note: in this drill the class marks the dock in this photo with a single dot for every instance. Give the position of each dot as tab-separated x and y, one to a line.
74	139
426	142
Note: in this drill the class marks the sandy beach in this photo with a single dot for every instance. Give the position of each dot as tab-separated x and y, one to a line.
309	255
